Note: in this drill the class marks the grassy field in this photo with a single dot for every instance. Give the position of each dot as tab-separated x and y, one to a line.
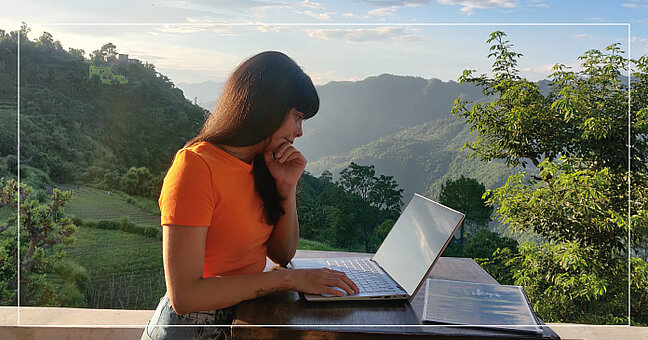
314	245
125	269
96	204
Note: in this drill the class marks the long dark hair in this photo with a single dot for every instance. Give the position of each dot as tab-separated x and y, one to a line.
253	104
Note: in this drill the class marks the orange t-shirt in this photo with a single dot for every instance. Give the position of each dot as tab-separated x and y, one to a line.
206	186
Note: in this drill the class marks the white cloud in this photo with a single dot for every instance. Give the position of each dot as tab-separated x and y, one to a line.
383	12
354	16
540	72
640	44
323	77
538	3
469	5
546	69
308	4
318	16
395	34
397	3
175	60
196	27
268	28
635	4
580	36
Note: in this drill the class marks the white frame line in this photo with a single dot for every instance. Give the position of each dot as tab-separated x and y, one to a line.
628	25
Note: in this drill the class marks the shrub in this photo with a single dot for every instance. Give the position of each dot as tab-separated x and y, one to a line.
90	224
72	272
69	295
152	232
77	221
126	226
108	224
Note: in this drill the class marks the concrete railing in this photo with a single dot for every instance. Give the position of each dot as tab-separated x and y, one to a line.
71	323
119	324
81	323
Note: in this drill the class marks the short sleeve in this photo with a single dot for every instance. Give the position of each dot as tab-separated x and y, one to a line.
187	196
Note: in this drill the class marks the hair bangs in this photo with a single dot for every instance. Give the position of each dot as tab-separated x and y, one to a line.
305	98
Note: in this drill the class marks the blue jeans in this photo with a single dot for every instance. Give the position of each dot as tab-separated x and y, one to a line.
167	324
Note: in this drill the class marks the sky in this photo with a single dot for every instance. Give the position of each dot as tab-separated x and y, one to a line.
204	40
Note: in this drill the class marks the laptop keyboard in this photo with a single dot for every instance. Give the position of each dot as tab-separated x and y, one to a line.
365	275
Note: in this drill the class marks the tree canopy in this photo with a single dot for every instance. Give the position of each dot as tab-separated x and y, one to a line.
71	123
466	195
578	142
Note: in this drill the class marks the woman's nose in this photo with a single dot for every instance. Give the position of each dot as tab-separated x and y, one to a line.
299	132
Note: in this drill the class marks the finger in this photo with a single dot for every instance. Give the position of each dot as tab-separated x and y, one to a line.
278	153
347	280
345	286
268	156
296	156
336	280
351	284
333	291
288	154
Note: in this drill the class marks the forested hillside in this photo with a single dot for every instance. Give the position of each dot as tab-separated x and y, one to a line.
71	123
421	158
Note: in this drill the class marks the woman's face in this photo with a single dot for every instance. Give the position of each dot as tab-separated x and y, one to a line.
290	129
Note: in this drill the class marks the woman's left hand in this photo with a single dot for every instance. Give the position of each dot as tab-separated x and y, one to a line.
286	164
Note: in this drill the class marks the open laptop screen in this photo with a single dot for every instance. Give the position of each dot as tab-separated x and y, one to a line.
416	240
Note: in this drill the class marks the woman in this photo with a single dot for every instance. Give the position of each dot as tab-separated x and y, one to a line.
229	200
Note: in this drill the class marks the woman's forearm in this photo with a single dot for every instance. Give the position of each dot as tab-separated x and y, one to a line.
282	244
222	292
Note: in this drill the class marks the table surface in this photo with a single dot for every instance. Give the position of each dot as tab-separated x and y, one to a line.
285	315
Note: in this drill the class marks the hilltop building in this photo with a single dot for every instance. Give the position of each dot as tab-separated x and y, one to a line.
107	76
123	58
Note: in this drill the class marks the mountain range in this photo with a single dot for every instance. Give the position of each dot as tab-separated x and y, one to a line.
400	124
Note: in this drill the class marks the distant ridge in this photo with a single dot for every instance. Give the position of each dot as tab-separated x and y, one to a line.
356	113
420	158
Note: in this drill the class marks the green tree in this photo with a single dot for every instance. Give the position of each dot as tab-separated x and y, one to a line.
386	195
483	243
575	196
77	52
106	54
137	181
380	192
467	196
48	41
358	179
42	227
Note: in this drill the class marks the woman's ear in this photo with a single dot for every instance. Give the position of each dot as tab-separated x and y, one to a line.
264	145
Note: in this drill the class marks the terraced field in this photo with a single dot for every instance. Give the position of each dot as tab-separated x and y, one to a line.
97	204
125	269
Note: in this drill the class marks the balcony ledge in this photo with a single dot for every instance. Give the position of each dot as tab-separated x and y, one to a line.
81	323
85	323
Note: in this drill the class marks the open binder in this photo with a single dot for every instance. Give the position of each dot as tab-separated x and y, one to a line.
481	305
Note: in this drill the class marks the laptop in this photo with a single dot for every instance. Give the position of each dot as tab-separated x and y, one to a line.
403	261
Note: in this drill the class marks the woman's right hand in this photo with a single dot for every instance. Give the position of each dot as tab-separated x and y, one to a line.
322	281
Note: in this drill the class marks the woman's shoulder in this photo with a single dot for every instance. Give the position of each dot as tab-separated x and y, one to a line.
194	153
205	152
